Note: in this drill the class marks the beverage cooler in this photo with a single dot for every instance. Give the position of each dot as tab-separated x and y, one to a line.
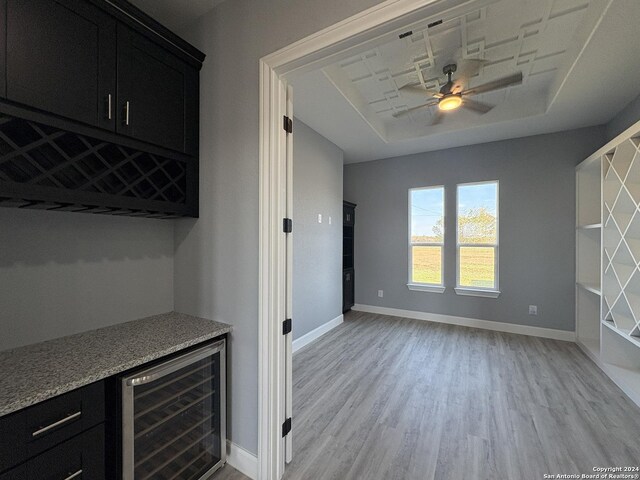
173	417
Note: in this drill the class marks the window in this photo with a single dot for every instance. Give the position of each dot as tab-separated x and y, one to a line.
477	236
426	238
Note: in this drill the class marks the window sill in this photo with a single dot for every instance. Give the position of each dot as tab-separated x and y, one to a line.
426	288
472	292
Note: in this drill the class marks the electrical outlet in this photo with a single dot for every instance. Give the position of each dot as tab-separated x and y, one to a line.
533	309
329	220
381	293
319	218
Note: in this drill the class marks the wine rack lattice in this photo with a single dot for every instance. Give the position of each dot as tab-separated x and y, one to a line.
621	238
48	168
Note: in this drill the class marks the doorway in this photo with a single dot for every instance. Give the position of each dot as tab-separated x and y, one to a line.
378	24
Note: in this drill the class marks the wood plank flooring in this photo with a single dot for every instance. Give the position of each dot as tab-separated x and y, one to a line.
387	398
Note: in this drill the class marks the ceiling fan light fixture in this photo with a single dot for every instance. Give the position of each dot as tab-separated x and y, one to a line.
450	102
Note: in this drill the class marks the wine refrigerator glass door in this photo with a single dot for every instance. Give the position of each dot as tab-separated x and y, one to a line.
173	417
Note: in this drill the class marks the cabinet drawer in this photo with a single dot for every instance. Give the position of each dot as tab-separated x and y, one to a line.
33	430
81	457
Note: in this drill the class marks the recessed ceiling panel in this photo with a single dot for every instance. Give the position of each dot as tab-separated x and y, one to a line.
550	43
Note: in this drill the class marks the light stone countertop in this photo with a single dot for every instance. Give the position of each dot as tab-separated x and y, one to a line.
37	372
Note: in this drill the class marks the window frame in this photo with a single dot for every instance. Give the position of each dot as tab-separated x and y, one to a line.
418	286
479	291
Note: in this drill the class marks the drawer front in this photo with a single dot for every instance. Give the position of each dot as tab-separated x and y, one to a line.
27	433
15	474
63	417
81	458
13	444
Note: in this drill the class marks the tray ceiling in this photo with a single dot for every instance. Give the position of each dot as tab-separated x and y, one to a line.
353	101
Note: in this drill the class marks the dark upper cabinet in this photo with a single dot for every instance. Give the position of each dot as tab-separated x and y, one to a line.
61	58
98	110
156	92
73	59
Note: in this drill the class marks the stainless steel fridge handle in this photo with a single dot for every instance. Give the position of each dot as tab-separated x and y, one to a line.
155	373
133	382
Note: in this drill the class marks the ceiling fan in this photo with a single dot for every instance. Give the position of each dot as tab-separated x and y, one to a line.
451	96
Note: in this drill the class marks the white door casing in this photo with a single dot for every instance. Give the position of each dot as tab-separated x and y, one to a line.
377	24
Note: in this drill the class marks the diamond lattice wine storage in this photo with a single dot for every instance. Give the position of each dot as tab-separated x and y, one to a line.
611	187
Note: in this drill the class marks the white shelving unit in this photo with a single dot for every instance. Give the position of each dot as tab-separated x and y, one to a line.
608	259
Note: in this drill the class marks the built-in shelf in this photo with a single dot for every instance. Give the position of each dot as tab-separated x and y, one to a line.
624	333
607	259
590	287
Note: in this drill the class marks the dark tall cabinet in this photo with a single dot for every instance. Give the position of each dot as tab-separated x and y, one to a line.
348	272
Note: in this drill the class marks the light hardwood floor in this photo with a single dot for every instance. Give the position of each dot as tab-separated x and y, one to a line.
381	397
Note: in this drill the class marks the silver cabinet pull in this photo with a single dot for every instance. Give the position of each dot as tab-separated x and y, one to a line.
74	475
66	419
109	107
126	113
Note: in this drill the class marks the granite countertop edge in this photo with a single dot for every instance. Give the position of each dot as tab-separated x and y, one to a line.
85	378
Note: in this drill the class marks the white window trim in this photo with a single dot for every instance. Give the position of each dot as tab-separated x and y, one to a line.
478	291
426	287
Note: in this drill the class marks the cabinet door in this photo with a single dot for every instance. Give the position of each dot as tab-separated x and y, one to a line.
60	57
153	91
347	289
348	215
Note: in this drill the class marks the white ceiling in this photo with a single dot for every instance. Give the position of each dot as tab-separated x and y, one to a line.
175	14
580	60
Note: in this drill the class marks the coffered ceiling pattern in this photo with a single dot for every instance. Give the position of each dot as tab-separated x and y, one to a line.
495	40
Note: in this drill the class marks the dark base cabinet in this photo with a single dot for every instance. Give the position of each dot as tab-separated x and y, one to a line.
57	438
348	272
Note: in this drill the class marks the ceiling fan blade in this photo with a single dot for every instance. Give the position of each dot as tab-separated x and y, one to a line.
476	106
495	85
409	110
421	90
467	68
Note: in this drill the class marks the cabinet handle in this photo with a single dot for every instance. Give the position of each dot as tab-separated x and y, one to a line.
126	113
66	419
109	107
74	475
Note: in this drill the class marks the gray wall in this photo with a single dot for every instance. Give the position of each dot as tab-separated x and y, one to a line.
63	273
537	233
624	119
317	247
216	259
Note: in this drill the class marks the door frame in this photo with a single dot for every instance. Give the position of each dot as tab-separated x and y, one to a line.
380	23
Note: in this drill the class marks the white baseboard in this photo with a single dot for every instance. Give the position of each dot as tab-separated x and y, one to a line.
471	322
316	333
242	460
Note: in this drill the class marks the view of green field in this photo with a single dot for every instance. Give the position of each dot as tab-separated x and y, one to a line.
476	266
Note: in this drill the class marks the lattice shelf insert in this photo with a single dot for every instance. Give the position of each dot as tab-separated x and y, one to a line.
621	239
47	168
